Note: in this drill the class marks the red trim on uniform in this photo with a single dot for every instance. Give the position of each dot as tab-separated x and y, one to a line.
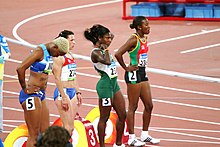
68	61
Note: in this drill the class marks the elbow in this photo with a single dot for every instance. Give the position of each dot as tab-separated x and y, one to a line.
108	63
117	55
18	69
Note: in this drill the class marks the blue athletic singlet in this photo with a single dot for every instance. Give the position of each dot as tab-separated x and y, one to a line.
44	66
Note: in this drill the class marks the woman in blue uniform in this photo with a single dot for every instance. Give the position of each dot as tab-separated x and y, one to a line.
32	96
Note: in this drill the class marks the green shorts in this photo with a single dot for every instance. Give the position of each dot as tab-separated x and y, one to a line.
106	87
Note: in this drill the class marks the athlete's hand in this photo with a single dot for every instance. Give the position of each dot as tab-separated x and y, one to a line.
65	103
79	98
31	90
103	46
131	68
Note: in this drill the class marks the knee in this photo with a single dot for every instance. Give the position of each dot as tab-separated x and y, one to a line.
132	108
122	116
104	119
149	108
34	131
70	128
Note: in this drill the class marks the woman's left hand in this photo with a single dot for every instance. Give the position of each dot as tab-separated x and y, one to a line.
65	103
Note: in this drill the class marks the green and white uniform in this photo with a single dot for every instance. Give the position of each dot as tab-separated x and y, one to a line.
107	85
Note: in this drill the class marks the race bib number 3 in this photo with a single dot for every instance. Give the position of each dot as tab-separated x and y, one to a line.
30	104
106	102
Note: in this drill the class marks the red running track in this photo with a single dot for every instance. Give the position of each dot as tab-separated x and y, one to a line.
186	112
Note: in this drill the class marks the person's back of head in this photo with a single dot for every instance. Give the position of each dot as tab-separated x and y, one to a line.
54	136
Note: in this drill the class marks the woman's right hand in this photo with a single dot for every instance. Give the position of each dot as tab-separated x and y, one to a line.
31	89
103	46
132	68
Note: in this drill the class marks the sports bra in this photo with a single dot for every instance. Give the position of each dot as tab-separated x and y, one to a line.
68	69
44	66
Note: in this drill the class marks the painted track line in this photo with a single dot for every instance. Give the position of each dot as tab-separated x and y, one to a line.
200	48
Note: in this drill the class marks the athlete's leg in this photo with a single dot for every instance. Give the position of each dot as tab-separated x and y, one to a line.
147	100
119	106
133	91
148	105
104	116
45	119
32	115
67	117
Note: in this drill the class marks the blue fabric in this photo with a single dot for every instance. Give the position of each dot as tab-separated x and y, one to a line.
1	143
3	45
45	65
2	61
71	92
23	96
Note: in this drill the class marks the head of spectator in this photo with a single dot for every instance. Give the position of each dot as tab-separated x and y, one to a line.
54	136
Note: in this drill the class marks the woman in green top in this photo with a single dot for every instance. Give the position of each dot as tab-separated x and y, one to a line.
136	79
107	87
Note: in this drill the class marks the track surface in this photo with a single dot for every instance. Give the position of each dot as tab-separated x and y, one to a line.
186	112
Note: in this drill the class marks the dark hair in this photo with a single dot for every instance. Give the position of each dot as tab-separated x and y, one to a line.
95	32
65	34
54	136
137	22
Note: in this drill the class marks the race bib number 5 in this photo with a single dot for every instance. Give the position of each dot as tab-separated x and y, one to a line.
30	104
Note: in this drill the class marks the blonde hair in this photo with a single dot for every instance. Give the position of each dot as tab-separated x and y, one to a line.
62	43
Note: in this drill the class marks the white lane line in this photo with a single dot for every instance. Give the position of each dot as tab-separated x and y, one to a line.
187	105
200	48
191	141
187	134
21	110
183	129
155	86
93	5
184	119
14	121
138	112
185	36
54	12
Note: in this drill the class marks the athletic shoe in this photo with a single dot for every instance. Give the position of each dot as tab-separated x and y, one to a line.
135	142
115	145
150	139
